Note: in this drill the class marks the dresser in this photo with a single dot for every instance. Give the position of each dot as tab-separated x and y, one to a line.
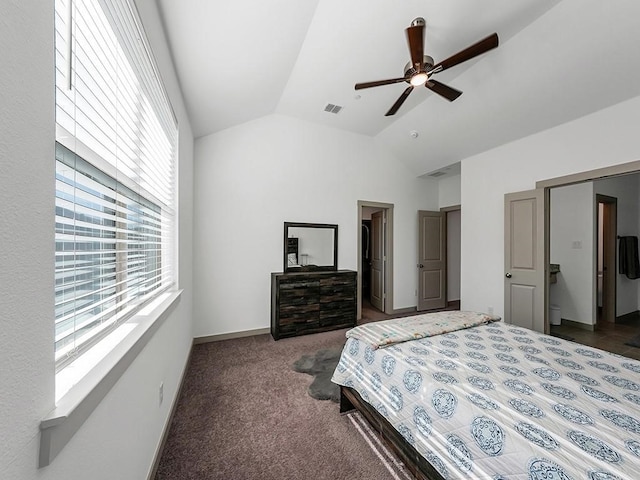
312	302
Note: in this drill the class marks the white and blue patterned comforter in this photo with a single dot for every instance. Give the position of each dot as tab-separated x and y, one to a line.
499	402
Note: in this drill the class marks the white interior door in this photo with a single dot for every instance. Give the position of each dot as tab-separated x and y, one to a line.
377	260
432	260
524	259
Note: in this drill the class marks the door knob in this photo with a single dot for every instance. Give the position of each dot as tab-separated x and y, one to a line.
508	275
420	265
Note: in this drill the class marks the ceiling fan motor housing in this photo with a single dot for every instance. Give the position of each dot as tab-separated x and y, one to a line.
409	69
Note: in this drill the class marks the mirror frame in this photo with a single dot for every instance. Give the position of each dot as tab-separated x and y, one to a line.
311	268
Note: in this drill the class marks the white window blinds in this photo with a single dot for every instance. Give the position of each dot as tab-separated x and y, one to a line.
115	172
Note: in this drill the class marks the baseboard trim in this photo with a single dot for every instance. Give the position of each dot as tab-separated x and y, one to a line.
167	426
580	325
229	336
401	311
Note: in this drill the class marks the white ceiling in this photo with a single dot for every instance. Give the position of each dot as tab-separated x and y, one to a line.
557	60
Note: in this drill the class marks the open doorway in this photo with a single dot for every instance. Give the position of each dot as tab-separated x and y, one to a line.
598	206
607	208
375	258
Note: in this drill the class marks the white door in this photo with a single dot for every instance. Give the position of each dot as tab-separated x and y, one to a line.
377	260
524	259
432	260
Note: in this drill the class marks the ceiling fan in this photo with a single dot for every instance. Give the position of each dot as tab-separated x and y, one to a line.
420	69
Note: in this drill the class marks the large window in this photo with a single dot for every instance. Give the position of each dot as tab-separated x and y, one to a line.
115	173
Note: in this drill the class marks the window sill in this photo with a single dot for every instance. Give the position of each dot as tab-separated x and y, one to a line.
83	395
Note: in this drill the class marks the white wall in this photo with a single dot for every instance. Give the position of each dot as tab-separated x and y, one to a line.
626	190
571	245
251	178
453	255
605	138
120	438
449	191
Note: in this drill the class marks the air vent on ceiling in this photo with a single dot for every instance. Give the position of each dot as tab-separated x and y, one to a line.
437	174
331	108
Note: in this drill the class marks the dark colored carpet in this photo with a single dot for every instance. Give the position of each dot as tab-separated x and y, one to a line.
321	366
397	470
245	414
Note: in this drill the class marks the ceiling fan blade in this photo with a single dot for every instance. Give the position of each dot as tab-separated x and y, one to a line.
378	83
399	102
415	38
441	89
468	53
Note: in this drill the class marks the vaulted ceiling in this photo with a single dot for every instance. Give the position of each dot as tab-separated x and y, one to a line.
557	60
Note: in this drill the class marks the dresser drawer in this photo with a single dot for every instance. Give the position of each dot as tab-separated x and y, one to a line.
332	296
298	325
331	312
313	302
299	281
336	321
338	288
302	313
339	280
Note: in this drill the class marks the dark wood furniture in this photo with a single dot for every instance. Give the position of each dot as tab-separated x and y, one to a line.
419	467
312	302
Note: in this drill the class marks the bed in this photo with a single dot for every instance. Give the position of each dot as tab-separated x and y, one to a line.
464	395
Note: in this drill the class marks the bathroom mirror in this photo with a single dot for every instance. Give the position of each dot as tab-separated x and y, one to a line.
310	247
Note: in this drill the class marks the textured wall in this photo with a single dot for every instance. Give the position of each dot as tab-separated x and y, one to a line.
26	236
120	438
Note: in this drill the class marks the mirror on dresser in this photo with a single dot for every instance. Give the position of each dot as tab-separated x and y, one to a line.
311	295
310	247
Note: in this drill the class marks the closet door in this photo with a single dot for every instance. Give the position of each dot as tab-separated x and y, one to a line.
378	260
432	260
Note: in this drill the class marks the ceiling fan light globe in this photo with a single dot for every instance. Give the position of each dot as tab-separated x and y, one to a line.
419	79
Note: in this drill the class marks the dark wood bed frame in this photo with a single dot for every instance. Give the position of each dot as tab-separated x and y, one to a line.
420	468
